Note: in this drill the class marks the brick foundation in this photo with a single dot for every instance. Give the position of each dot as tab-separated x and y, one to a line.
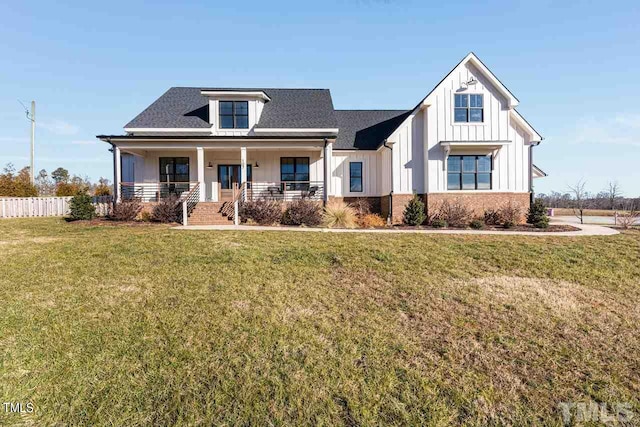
374	202
400	202
479	202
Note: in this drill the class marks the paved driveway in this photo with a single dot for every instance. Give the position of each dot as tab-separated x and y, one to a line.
603	220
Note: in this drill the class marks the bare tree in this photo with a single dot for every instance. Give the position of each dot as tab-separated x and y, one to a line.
630	216
613	192
580	196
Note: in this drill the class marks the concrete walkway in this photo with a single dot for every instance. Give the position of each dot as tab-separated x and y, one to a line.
585	230
598	220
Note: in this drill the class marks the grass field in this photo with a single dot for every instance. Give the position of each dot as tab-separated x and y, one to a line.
150	326
587	212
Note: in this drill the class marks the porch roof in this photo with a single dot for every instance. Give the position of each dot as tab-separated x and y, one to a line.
172	136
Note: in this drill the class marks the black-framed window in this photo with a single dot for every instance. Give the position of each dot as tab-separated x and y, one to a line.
469	172
230	174
234	114
295	169
174	169
469	108
355	177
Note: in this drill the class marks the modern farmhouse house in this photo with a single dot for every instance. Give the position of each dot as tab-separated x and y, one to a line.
464	140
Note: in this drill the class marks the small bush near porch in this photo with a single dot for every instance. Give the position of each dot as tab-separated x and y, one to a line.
145	325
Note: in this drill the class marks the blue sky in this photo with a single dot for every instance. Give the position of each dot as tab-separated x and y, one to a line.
91	68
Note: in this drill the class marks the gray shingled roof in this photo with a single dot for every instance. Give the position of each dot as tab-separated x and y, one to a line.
185	107
366	129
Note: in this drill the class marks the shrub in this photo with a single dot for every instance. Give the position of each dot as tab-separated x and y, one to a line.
454	213
510	214
145	216
492	217
542	223
538	214
476	224
362	207
371	221
261	211
126	210
167	210
414	212
302	212
439	223
81	207
338	214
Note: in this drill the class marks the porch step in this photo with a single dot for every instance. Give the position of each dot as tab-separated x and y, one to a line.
209	213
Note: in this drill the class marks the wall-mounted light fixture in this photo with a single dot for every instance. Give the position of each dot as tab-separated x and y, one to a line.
210	165
472	82
257	165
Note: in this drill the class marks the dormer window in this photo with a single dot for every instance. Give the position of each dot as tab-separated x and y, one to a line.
469	108
234	114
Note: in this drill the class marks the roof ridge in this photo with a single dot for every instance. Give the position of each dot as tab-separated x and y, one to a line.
256	88
368	109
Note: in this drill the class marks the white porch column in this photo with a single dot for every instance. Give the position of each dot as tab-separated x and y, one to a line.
327	156
203	190
117	173
243	168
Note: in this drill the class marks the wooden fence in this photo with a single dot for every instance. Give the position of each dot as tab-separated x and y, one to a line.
27	207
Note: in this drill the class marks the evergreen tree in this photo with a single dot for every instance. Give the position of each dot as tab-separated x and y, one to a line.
414	212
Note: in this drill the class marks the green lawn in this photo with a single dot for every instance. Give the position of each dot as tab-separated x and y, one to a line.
120	325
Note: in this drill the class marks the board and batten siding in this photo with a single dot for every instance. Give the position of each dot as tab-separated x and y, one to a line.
418	139
371	176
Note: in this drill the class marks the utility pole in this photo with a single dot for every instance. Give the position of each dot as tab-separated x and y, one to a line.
31	116
33	142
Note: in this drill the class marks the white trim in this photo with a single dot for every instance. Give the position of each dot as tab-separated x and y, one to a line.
232	93
474	144
133	130
538	173
512	100
535	136
293	130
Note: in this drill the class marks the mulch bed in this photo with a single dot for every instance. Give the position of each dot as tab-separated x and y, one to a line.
553	228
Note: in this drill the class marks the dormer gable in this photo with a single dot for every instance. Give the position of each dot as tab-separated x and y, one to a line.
234	111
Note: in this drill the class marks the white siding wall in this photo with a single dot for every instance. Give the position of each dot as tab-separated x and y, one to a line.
255	110
511	163
147	168
371	173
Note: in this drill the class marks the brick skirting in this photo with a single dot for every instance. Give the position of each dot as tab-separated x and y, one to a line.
479	202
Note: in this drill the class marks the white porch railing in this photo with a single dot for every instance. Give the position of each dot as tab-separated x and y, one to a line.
285	190
154	191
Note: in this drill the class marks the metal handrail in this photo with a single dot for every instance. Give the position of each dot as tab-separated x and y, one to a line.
189	202
154	191
286	190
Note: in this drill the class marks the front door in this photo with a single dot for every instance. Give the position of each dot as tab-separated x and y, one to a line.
230	177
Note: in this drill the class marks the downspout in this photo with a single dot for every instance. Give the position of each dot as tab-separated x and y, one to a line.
325	192
390	215
531	194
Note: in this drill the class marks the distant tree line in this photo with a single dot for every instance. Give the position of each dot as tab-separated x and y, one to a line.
577	196
59	183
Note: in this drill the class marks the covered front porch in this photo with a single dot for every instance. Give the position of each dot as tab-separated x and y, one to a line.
221	172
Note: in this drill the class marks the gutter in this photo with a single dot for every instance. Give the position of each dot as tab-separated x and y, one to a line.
390	215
